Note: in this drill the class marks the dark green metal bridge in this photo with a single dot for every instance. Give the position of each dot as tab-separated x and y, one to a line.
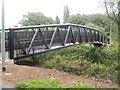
30	40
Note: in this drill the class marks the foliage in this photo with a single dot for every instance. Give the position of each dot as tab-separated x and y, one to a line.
35	18
98	21
66	13
77	19
57	20
96	27
113	10
52	83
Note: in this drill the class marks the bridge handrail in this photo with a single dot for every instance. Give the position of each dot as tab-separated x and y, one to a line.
55	25
51	25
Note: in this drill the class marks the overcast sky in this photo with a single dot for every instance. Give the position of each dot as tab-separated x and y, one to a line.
14	9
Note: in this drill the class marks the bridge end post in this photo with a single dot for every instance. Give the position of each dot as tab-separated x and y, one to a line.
11	43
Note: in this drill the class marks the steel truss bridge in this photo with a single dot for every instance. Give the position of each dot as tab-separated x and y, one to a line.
30	40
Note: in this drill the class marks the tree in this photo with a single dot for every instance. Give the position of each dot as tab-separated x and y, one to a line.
57	20
76	19
66	13
36	18
113	11
98	21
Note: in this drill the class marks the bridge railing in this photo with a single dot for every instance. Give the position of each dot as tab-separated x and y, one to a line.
30	40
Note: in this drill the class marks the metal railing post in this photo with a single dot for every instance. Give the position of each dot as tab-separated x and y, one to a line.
11	43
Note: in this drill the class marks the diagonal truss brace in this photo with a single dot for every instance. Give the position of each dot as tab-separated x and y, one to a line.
72	35
53	36
37	31
32	41
44	41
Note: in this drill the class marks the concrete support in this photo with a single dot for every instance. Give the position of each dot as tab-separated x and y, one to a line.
97	45
8	62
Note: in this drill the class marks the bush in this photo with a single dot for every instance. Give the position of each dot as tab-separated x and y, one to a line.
83	67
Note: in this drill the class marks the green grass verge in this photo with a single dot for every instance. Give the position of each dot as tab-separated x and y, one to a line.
51	83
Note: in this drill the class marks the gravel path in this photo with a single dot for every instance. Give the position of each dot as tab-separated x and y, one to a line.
18	73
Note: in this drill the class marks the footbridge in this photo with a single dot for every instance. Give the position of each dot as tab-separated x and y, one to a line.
31	40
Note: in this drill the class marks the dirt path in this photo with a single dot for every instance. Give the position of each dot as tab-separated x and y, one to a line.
18	73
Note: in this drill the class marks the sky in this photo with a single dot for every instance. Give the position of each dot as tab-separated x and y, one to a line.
15	9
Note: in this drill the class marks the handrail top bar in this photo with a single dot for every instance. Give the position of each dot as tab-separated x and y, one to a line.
51	25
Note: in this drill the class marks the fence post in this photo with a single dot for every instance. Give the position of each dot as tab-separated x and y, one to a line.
11	43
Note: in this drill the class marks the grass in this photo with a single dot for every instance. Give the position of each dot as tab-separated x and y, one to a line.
51	83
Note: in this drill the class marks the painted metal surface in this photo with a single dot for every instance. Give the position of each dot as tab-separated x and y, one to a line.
30	40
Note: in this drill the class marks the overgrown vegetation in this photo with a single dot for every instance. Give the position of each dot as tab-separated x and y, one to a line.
51	83
83	60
